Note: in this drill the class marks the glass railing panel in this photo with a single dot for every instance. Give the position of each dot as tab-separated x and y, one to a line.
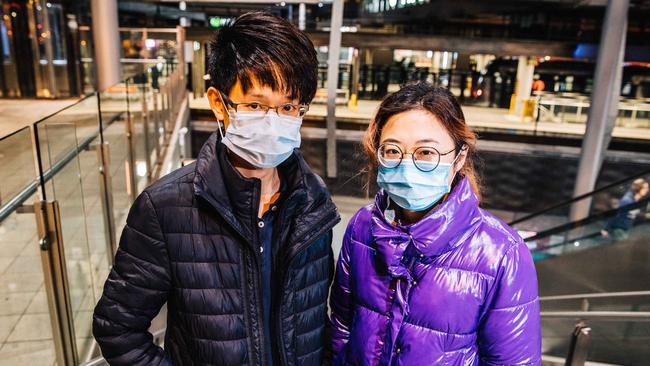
25	323
137	113
17	162
114	104
149	122
68	143
151	131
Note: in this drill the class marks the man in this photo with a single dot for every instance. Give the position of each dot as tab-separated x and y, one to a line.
238	243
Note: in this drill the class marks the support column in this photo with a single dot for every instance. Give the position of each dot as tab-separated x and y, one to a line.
604	103
334	50
180	49
354	77
106	36
435	61
524	83
302	16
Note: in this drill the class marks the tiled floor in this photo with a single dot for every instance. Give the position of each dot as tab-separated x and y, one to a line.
24	316
18	113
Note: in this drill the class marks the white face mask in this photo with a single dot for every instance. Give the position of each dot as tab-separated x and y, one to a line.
264	139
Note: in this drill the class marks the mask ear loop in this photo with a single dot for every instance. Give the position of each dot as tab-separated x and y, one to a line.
222	124
453	163
220	128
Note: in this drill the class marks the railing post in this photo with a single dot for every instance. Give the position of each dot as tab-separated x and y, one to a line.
145	131
168	95
106	193
156	118
163	112
48	222
131	184
580	340
106	185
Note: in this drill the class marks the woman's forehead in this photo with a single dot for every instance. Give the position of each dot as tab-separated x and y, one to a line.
413	126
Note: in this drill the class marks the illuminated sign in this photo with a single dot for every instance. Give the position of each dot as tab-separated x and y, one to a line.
218	22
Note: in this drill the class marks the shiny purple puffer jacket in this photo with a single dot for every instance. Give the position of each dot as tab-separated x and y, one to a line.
456	288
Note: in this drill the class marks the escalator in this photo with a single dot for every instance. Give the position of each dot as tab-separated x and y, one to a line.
594	270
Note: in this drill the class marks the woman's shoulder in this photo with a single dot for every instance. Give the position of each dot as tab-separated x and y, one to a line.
359	225
499	232
489	244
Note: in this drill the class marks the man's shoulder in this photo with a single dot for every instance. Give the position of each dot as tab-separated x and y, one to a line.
175	188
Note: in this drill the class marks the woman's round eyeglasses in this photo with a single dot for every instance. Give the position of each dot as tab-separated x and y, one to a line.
425	158
287	109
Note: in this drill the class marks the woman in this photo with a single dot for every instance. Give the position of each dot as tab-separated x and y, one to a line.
425	277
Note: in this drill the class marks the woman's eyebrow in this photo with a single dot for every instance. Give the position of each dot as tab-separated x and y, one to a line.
427	141
391	140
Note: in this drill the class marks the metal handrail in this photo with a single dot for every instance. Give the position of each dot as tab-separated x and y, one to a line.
578	198
18	199
587	220
21	197
639	316
595	295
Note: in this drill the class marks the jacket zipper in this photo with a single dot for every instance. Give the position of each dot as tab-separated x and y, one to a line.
300	249
259	296
259	305
257	286
247	269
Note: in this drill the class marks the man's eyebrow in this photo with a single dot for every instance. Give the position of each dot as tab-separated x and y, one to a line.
258	96
262	96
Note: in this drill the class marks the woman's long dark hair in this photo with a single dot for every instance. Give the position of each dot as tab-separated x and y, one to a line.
440	103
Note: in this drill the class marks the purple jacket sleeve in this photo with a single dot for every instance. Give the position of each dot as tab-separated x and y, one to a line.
509	333
340	298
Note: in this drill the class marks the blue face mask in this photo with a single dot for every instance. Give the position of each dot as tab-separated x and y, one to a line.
264	139
413	189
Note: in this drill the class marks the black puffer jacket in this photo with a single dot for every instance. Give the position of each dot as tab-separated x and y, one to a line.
191	240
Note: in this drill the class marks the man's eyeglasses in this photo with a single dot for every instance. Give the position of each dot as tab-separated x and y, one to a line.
424	158
287	109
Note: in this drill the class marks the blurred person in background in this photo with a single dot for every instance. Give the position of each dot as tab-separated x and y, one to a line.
619	226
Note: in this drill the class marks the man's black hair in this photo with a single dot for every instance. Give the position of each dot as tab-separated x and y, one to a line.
268	48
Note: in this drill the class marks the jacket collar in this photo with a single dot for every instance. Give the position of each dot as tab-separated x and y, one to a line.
436	233
235	197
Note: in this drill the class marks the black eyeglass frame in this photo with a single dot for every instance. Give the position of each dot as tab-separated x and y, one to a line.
382	163
302	108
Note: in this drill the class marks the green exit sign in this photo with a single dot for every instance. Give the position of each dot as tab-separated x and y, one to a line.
218	22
